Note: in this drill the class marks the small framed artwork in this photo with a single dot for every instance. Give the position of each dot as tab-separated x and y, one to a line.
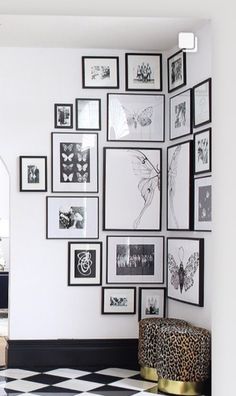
203	204
135	117
100	72
132	197
152	302
88	114
185	264
143	72
74	162
135	259
202	151
84	264
63	115
180	115
119	300
202	103
33	173
176	65
72	217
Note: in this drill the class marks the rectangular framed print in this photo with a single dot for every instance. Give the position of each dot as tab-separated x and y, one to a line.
202	103
185	264
135	259
63	115
203	204
202	151
88	114
180	115
33	173
100	72
132	196
119	300
72	217
176	69
152	302
143	72
84	263
135	117
74	162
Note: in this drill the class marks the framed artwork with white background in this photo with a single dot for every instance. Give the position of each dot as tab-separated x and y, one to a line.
176	69
63	115
180	115
202	103
33	173
203	204
119	300
143	72
202	151
88	114
152	302
100	72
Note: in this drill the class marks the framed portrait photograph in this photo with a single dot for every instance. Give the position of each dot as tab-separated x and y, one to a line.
135	117
84	264
202	151
180	187
72	217
135	259
203	204
143	72
185	268
119	300
100	72
132	182
202	103
180	115
74	162
88	114
176	69
152	302
33	173
63	115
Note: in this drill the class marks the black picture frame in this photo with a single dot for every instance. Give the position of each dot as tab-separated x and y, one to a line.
153	314
202	155
30	168
116	309
140	85
89	83
204	101
187	116
66	111
98	116
203	204
179	56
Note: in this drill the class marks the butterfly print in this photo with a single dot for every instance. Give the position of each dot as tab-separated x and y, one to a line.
67	147
68	177
82	157
67	167
82	167
67	157
143	118
82	178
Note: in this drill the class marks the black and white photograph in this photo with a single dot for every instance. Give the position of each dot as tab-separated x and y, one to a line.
88	114
84	263
63	116
203	204
33	173
119	300
202	103
74	162
202	151
152	302
143	72
185	263
100	72
135	117
180	115
176	65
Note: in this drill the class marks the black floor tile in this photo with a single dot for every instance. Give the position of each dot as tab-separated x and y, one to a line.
46	379
101	378
107	390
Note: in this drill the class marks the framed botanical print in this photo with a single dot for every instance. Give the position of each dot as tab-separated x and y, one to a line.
88	114
202	151
143	72
33	173
202	103
119	300
74	162
152	302
176	69
203	204
63	115
180	115
100	72
185	264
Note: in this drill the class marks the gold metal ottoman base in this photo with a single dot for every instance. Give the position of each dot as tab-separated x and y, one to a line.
180	387
149	373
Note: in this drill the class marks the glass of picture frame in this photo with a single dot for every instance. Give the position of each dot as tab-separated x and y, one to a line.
33	173
100	72
203	203
202	151
180	115
202	103
118	300
143	71
176	69
152	302
63	115
88	114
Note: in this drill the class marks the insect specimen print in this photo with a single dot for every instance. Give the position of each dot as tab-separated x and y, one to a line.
74	158
142	118
172	174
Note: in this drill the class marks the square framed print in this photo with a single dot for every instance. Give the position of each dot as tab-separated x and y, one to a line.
202	151
180	115
100	72
203	204
63	115
132	196
152	302
72	217
84	264
176	69
74	162
119	300
135	259
202	103
143	72
88	114
180	187
33	173
185	267
135	117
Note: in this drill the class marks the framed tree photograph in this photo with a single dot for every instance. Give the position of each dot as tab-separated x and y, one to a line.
63	115
143	72
180	115
72	217
84	264
88	114
185	268
202	103
100	72
135	259
74	162
203	204
176	69
202	151
180	187
132	182
33	173
135	117
118	300
152	302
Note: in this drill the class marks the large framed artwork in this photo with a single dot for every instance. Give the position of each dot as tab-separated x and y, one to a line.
180	115
152	302
135	117
202	151
202	103
72	217
119	300
88	114
132	196
33	173
176	69
185	263
180	187
74	162
203	204
63	115
100	72
143	72
135	259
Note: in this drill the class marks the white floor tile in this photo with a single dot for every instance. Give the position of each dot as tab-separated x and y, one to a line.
24	386
117	372
17	373
134	384
67	373
79	385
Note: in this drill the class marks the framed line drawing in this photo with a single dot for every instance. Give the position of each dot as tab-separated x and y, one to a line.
135	117
203	204
180	115
63	115
74	162
152	302
135	259
176	69
100	72
202	151
143	72
202	103
33	173
185	267
88	114
118	300
132	183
